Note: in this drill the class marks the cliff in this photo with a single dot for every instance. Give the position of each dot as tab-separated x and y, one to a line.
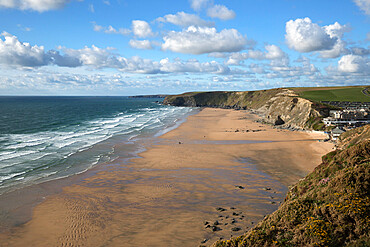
329	207
276	106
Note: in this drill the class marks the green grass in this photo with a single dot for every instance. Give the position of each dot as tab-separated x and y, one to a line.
345	94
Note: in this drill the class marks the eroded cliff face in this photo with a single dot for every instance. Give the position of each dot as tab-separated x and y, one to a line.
289	111
277	106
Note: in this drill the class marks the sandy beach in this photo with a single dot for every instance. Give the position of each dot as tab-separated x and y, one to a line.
220	165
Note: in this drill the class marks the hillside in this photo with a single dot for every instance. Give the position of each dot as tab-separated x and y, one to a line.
236	100
276	106
329	207
353	94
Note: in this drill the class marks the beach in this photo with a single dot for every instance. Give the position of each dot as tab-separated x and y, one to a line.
220	167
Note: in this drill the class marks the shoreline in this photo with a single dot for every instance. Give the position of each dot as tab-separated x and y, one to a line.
16	206
173	194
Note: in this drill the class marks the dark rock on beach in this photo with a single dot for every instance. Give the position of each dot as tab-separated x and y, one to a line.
235	229
220	209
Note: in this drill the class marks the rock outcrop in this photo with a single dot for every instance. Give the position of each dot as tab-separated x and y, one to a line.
289	111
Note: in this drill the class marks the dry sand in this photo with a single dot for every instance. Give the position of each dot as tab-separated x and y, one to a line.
164	197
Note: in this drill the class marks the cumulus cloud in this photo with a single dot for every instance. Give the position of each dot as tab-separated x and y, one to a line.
304	36
185	20
354	64
364	5
199	4
95	57
272	52
38	5
200	40
335	30
221	12
141	44
141	29
63	60
17	54
13	53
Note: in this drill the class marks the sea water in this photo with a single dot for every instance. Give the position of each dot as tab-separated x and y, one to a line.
46	138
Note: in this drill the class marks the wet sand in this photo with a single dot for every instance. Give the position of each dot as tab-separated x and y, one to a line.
219	165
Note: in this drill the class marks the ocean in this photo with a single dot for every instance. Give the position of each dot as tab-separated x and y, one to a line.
46	138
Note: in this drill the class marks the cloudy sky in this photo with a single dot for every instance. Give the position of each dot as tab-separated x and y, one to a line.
129	47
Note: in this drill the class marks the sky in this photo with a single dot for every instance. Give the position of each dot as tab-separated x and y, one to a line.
135	47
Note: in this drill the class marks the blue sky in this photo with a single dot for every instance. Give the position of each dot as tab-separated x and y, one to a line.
127	47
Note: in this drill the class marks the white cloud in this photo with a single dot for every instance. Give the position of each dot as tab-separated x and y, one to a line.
199	4
141	29
179	66
304	36
335	30
338	49
111	30
185	20
15	53
354	64
221	12
200	40
38	5
364	5
141	44
63	60
272	52
96	57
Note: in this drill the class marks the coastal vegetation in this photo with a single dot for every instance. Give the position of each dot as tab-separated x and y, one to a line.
329	207
352	94
223	99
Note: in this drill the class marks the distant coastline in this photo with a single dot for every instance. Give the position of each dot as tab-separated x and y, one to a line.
149	96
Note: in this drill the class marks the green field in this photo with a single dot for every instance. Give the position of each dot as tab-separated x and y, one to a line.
352	94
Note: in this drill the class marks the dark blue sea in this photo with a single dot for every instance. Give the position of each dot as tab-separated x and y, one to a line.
46	138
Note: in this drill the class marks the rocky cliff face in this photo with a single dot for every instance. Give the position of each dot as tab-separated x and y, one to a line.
277	106
289	111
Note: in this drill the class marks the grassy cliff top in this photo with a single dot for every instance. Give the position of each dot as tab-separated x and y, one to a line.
329	207
246	99
349	93
257	98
